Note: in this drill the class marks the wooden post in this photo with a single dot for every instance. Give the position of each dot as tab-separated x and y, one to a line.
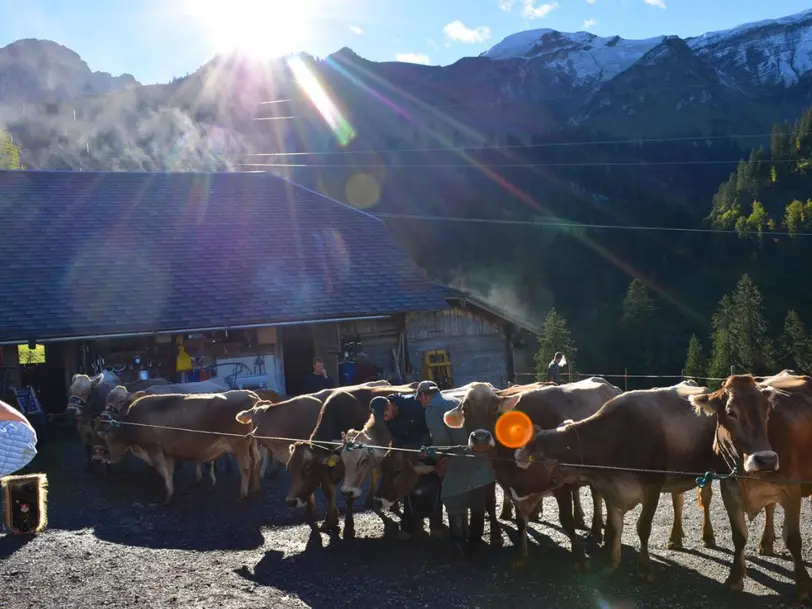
625	379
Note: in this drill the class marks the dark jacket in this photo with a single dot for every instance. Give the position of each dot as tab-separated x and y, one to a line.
552	372
408	429
316	382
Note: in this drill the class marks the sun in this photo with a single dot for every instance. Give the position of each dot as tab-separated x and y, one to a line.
260	29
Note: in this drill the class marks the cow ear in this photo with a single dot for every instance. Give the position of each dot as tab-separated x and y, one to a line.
137	394
454	418
707	403
508	403
343	436
73	379
96	380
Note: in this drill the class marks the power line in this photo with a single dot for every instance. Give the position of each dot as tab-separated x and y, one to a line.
578	225
518	146
508	165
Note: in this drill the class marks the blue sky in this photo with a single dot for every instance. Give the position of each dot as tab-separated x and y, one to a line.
157	39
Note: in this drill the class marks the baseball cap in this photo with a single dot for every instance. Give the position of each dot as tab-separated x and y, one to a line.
427	386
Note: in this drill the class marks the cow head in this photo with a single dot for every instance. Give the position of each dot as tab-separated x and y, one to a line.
478	412
400	473
82	392
742	410
358	460
309	465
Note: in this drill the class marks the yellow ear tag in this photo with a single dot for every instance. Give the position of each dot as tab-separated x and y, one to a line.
332	461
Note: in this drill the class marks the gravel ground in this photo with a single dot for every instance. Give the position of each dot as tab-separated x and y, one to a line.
111	544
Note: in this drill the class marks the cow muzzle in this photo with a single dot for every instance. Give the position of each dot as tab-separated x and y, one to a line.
481	440
761	461
294	502
101	454
353	492
73	411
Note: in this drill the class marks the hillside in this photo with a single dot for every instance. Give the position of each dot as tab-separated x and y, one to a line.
541	128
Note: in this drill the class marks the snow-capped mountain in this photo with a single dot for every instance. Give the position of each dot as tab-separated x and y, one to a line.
772	51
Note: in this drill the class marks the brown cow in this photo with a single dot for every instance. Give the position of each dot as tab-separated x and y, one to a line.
118	400
294	418
547	407
765	431
86	399
145	430
667	437
317	462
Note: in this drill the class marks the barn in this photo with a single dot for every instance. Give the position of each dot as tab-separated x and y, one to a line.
244	275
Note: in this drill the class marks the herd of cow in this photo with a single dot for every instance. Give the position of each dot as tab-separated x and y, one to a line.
754	433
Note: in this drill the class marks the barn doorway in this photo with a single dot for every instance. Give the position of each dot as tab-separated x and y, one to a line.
298	352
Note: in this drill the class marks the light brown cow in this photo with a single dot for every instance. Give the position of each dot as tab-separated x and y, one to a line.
86	399
667	437
765	431
145	430
547	407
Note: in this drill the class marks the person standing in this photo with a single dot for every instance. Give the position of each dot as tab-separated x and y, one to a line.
465	478
318	379
554	367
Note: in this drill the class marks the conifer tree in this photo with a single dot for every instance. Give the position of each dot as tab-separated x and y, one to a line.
555	336
695	359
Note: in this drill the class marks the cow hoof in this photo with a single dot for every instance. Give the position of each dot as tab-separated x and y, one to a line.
349	533
766	549
646	576
518	563
582	566
505	515
675	544
580	525
734	586
496	540
595	538
609	570
709	542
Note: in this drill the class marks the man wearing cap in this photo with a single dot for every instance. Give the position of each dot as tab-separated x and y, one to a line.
465	479
406	423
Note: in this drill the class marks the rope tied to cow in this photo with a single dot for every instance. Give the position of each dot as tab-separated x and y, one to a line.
702	479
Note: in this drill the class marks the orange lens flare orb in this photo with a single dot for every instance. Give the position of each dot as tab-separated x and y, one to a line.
514	429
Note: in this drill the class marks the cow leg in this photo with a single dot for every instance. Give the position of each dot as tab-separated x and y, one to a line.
563	497
330	525
651	497
677	532
704	497
766	547
738	528
578	510
349	517
614	533
521	528
373	484
310	509
538	512
229	464
596	532
490	508
507	511
165	466
213	472
792	537
256	457
246	465
198	472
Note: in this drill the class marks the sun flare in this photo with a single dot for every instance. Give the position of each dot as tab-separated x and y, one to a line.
257	28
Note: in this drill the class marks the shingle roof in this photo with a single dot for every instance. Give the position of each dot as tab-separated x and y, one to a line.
85	253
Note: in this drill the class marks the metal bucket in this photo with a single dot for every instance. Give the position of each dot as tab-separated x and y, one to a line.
143	375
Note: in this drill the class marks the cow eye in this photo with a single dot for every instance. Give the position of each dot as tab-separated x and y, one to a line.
732	414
